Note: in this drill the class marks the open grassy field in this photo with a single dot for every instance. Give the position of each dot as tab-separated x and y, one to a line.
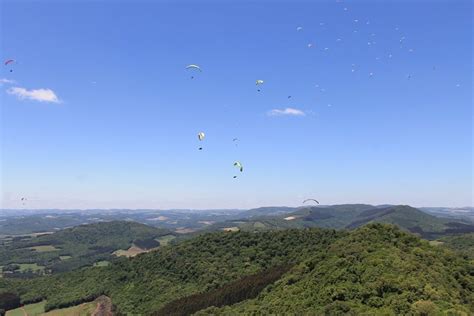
30	310
30	266
84	309
102	263
44	248
231	229
164	240
37	309
130	252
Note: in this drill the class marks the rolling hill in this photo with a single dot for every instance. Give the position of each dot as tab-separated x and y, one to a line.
350	216
375	269
74	247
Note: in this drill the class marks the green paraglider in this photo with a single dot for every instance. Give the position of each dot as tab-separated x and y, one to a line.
238	165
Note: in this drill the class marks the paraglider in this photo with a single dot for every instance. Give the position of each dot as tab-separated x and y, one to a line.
8	62
257	83
237	164
193	67
299	28
307	200
201	137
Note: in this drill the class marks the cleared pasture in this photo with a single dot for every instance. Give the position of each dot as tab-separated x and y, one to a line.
164	240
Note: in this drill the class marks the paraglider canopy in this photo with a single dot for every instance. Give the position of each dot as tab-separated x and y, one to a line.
258	82
308	200
237	164
192	66
195	67
8	62
201	136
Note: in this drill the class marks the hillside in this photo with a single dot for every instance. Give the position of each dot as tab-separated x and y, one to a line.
464	244
350	216
266	211
73	247
376	269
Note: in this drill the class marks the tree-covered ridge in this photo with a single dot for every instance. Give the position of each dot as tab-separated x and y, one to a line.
78	246
464	244
376	270
149	281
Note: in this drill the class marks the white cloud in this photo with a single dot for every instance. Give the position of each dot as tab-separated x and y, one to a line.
287	111
42	95
6	81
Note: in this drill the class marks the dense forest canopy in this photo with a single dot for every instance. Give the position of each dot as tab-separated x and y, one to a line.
375	269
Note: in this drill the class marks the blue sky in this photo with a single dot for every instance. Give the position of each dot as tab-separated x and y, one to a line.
116	124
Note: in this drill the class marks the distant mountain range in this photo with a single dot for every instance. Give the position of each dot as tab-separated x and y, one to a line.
428	222
348	216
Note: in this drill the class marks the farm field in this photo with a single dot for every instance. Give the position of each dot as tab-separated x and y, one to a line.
44	248
30	266
30	310
164	240
102	263
37	309
84	309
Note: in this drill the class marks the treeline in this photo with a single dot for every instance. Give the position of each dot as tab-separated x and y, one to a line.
8	301
234	292
146	243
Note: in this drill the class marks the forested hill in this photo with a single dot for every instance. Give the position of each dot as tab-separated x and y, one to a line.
75	247
350	216
104	233
377	269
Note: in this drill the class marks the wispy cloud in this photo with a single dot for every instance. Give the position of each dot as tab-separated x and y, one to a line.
6	81
287	111
41	95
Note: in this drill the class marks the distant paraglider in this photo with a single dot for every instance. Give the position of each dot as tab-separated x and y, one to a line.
309	200
201	137
9	62
193	67
258	83
238	165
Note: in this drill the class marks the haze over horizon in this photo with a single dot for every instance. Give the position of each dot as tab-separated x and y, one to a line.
367	103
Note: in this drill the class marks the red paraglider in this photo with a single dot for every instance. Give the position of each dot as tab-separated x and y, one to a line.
9	61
